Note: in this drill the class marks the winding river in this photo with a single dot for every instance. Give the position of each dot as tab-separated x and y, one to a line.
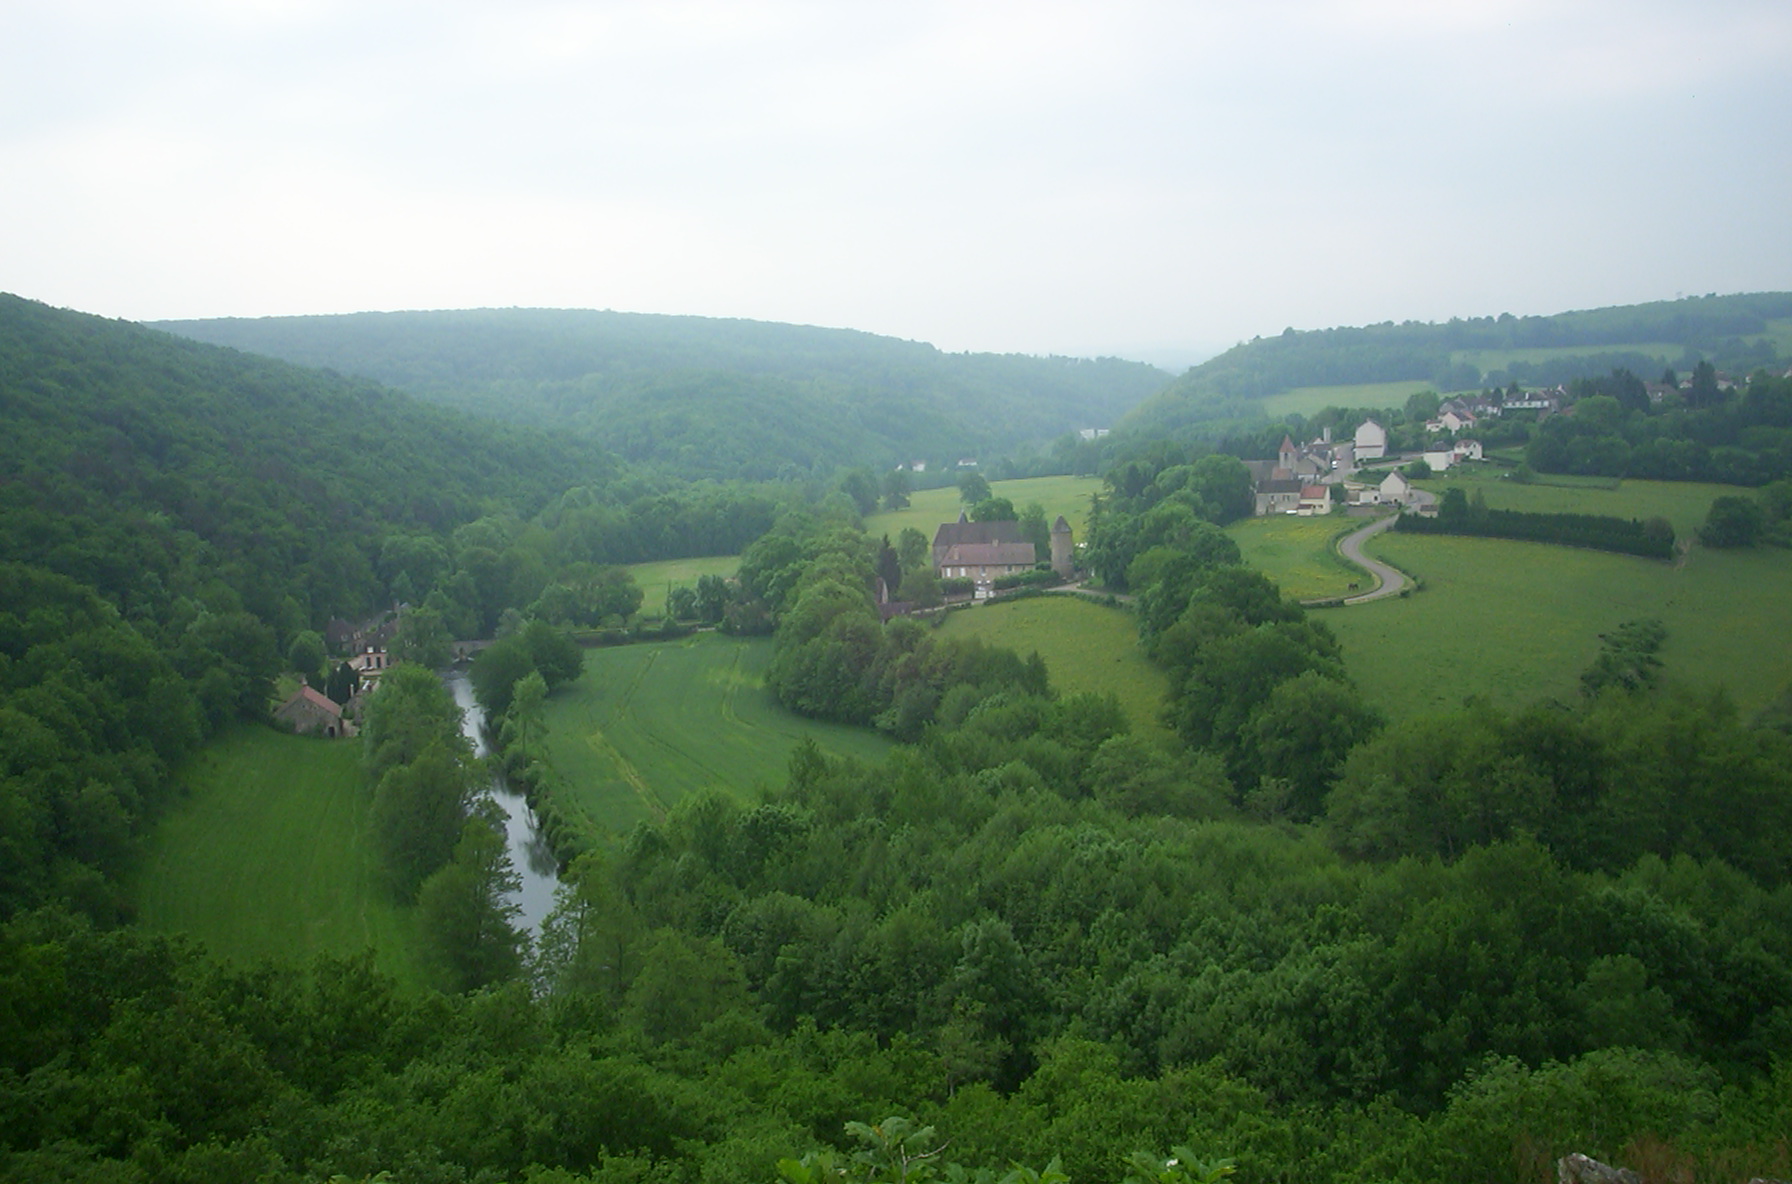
529	852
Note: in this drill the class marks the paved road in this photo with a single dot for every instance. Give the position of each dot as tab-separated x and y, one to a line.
1393	580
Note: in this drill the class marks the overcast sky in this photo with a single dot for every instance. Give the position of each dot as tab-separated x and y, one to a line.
1147	179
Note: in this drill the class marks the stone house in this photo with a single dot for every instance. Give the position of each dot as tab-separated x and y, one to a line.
981	551
311	712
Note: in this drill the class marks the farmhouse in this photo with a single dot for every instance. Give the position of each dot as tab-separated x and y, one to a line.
370	664
981	551
311	712
1455	415
1371	441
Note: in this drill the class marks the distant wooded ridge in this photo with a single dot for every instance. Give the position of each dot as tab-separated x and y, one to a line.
1736	333
709	397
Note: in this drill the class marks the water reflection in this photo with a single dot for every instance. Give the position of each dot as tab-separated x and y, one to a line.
529	851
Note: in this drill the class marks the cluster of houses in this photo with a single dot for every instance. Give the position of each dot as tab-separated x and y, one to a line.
310	711
1303	477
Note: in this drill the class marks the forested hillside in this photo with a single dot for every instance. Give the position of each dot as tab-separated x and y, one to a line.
1291	939
706	397
1732	332
152	468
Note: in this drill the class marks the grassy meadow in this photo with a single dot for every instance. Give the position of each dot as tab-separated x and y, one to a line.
928	508
270	855
1086	647
1666	352
1514	622
657	579
646	725
1309	400
1683	503
1298	553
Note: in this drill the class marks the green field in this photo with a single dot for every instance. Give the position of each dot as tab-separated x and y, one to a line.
654	578
1086	646
928	508
270	856
1297	553
1308	400
1683	503
1515	622
646	725
658	578
1666	352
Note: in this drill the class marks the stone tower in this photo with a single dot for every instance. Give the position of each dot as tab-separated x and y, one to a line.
1063	549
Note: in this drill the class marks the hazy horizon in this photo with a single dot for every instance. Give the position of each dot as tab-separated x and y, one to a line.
1148	180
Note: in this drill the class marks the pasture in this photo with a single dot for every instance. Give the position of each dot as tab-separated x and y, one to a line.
1665	352
1515	622
1310	400
1087	647
647	725
1298	553
1683	503
270	855
657	579
928	508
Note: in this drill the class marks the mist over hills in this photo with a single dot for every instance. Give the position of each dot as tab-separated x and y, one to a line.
710	397
1735	332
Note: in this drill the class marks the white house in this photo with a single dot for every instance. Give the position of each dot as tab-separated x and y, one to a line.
1395	488
1371	440
1440	458
1468	450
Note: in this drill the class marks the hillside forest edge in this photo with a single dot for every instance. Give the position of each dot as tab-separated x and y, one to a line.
1282	937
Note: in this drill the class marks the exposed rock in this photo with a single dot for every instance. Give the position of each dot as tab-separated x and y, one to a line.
1576	1168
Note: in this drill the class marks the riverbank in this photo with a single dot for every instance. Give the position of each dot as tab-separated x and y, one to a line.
532	855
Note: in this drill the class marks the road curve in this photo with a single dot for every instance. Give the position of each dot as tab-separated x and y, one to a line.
1393	580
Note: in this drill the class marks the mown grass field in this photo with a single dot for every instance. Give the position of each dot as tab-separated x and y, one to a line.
647	725
1297	553
1683	503
1515	622
1308	400
271	856
657	579
928	508
1086	646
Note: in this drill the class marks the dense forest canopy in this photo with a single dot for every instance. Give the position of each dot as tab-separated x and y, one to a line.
1730	331
707	397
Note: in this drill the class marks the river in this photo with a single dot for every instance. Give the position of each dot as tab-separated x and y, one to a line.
529	853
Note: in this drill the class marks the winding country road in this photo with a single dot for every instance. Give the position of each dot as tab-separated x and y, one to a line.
1393	580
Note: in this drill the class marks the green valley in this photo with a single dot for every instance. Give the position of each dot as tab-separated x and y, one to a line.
269	856
646	726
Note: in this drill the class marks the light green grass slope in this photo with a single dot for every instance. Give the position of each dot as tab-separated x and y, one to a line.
1683	503
1087	647
928	508
1516	622
646	725
271	856
1297	553
1310	400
